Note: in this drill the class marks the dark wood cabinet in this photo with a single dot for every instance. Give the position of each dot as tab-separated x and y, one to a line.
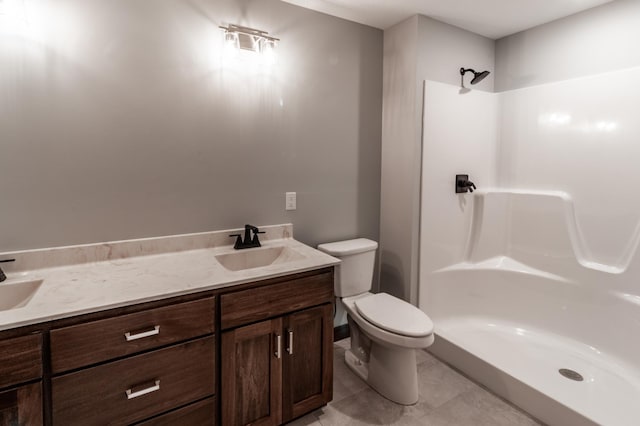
21	363
92	342
157	363
20	359
200	413
252	374
21	406
130	367
136	388
278	298
276	370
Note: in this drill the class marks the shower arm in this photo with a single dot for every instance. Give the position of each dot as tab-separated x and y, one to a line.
463	71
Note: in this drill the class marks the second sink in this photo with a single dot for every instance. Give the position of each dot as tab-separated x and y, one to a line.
256	258
17	295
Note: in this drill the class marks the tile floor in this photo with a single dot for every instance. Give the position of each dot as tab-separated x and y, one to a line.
446	398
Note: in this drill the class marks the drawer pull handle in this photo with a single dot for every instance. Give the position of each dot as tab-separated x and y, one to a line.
131	394
130	337
290	343
278	346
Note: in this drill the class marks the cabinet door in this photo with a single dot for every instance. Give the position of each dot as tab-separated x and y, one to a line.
308	361
21	406
252	374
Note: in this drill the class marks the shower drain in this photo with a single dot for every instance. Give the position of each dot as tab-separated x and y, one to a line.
570	374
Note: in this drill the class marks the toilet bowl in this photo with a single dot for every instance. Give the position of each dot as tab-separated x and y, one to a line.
385	331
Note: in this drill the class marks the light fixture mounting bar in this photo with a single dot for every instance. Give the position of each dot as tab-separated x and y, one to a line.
257	34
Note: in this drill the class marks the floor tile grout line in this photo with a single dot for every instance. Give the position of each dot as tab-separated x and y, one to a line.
483	387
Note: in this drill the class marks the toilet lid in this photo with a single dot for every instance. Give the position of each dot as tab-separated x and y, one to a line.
394	315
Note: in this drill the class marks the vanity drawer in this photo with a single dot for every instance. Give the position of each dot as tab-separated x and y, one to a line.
202	413
20	359
89	343
256	304
136	388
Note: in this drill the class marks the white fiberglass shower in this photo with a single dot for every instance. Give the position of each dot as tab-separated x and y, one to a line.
538	270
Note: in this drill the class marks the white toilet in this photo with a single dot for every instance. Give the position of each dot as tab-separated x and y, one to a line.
385	331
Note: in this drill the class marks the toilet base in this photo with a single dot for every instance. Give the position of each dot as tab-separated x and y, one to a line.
392	372
359	367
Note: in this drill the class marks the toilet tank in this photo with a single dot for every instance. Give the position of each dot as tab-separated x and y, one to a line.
355	273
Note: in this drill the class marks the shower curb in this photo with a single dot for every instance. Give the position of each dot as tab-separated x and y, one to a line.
525	397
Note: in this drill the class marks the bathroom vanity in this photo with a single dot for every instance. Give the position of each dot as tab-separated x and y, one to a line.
254	351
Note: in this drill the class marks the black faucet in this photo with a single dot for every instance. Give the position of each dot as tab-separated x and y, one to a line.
463	184
248	242
2	275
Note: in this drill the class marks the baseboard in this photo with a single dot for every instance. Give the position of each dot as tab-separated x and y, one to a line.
340	332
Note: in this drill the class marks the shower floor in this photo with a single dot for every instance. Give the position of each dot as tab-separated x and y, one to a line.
608	395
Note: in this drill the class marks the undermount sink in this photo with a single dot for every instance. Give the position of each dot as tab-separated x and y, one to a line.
258	257
17	295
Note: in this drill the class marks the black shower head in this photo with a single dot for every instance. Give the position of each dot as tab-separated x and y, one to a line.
477	76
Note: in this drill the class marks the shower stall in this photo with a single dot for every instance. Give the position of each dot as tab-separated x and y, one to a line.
533	280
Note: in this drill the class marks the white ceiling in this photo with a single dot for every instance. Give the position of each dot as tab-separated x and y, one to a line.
490	18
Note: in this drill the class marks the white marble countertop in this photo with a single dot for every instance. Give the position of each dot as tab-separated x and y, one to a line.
83	279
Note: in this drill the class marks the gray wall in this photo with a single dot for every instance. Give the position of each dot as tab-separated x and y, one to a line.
400	131
119	119
417	49
443	49
597	40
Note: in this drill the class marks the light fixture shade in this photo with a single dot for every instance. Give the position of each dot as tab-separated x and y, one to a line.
268	50
250	39
231	39
248	42
268	45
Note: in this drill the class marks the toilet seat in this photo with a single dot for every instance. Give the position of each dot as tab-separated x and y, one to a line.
394	315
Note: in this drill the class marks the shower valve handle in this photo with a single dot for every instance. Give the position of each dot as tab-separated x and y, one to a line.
463	184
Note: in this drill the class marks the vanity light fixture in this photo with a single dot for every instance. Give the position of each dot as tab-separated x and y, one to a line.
246	38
